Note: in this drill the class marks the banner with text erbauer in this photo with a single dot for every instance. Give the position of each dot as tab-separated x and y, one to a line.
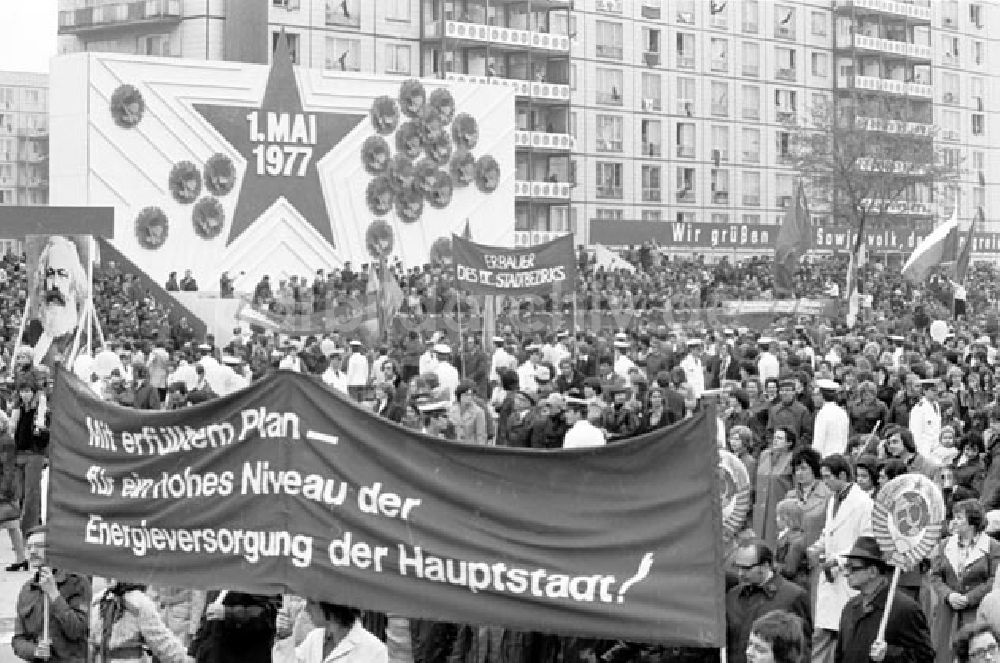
494	270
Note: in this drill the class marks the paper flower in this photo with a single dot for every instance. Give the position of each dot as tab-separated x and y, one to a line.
487	174
220	175
409	205
441	190
151	228
127	106
401	173
432	124
379	240
425	172
409	139
384	114
208	217
465	131
375	155
379	196
185	182
444	103
463	168
412	97
439	149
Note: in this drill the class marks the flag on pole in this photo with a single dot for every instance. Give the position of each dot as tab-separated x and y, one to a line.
392	295
938	247
794	241
610	260
859	257
962	263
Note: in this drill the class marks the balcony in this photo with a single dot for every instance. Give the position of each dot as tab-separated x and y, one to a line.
33	133
651	149
720	197
685	151
541	140
542	190
612	98
920	13
533	89
651	195
609	6
751	69
650	104
609	51
751	156
104	17
535	237
892	47
892	86
785	74
650	9
899	206
686	196
497	35
651	58
685	61
751	200
863	123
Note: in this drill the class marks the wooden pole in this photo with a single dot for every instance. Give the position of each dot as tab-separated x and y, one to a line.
17	339
888	605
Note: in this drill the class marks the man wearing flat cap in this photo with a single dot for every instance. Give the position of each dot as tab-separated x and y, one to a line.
907	637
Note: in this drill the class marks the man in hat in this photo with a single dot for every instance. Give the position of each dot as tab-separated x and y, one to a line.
768	365
761	590
500	359
428	360
526	372
622	365
907	636
357	370
582	425
333	376
925	418
694	367
290	361
447	373
789	413
832	426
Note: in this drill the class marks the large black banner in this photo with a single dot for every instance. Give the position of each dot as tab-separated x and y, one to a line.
494	270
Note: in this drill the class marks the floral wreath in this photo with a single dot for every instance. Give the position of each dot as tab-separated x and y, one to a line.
409	205
185	182
151	228
412	97
127	106
375	155
487	174
379	196
208	217
409	141
439	149
220	175
463	168
401	173
385	114
379	239
441	190
734	491
465	131
444	103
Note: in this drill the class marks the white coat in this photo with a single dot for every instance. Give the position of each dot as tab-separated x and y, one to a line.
694	373
925	424
831	430
358	646
853	519
767	366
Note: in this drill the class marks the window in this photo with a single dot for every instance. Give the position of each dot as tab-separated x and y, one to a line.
572	76
605	214
751	13
572	124
609	180
609	86
651	47
685	11
6	149
978	124
154	45
7	98
784	63
818	22
293	45
976	15
6	197
685	96
751	219
684	217
720	218
951	124
651	8
685	50
290	5
397	10
651	184
783	142
820	64
976	87
751	59
783	189
785	105
344	12
685	185
720	99
949	46
751	102
719	12
784	22
652	139
651	95
978	160
609	40
342	54
978	52
720	186
949	89
751	145
720	55
397	59
652	215
751	188
685	140
720	143
609	133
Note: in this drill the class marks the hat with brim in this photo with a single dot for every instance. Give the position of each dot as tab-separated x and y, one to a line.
231	361
895	338
866	549
355	343
827	385
498	339
765	340
442	349
439	407
622	344
204	346
693	342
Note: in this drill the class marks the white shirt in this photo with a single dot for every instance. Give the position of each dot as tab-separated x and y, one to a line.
831	430
583	434
501	359
291	363
428	362
623	365
694	373
448	377
377	366
526	377
767	366
336	379
357	370
925	424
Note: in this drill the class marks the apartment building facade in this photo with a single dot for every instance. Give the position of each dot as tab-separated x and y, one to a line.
671	111
24	142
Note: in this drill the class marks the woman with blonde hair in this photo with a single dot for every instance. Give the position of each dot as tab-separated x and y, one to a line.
790	552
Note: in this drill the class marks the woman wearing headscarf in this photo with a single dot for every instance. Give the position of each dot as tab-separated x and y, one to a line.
774	480
124	624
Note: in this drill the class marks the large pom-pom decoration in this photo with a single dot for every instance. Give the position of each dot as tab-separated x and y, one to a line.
432	124
375	155
444	103
379	240
440	253
380	196
127	106
441	190
409	205
151	228
220	175
385	115
208	217
401	173
185	182
463	168
412	97
487	174
439	149
426	171
465	131
409	140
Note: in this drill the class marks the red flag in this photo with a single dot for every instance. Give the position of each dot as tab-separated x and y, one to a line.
962	263
794	241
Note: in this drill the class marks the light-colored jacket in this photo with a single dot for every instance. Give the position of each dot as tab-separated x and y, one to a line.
853	519
358	646
141	627
925	424
831	430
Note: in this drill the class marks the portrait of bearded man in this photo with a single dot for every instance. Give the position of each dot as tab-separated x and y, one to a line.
60	288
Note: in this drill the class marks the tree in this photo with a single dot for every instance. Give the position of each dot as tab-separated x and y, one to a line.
869	158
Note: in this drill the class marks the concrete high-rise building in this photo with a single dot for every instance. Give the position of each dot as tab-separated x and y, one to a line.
24	141
629	110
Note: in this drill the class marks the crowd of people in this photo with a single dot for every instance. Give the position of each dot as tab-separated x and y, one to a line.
821	416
